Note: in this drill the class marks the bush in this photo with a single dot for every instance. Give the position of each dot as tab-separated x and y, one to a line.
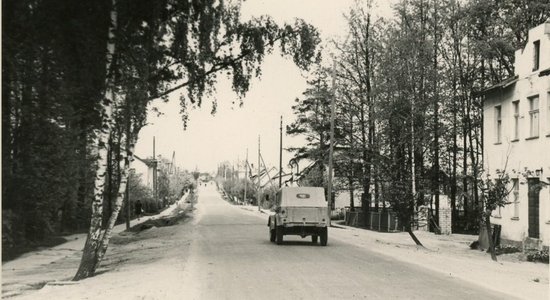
337	214
538	256
149	206
10	232
234	188
506	249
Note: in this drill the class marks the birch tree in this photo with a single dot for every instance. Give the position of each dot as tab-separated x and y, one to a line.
197	41
97	239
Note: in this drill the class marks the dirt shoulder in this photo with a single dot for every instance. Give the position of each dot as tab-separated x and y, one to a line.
154	243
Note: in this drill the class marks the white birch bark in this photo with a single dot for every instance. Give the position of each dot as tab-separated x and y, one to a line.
90	258
125	161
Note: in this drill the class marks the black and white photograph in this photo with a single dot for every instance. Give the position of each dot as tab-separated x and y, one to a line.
275	149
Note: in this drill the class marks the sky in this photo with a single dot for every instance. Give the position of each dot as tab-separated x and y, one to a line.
226	136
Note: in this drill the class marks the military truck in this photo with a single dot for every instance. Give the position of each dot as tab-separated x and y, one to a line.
299	211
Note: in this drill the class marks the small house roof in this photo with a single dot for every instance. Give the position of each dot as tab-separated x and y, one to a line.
501	85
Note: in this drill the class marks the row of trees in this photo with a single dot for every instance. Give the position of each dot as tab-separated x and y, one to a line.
77	81
233	183
408	112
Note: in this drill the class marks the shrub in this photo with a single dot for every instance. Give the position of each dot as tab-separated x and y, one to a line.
538	256
337	214
506	249
234	188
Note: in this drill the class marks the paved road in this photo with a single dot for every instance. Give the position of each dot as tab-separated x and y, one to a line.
231	258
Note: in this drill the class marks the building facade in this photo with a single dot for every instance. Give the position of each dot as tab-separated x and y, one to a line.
516	138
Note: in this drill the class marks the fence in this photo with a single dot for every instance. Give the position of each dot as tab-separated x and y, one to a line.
384	221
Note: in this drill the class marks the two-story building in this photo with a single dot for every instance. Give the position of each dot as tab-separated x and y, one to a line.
517	141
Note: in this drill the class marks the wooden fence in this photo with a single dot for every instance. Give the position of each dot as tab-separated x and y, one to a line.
384	221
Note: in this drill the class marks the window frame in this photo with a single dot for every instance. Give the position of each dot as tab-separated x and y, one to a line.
498	124
534	117
515	195
536	55
515	110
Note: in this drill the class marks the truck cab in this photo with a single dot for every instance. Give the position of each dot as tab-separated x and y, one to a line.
299	211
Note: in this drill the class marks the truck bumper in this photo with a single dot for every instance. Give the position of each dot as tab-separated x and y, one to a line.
303	230
286	225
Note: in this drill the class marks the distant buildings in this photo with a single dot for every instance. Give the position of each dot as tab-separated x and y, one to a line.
145	168
516	139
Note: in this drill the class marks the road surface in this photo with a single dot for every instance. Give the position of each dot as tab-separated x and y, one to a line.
230	257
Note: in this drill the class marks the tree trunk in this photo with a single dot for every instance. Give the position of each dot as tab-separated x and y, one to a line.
365	200
118	150
464	159
128	144
124	164
367	153
435	177
351	190
413	236
82	188
92	249
109	182
352	165
473	155
455	65
490	235
454	212
7	144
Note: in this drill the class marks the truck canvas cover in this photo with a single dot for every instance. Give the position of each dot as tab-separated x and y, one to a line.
303	197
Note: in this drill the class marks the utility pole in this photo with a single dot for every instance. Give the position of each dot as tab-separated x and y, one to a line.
245	175
331	150
281	154
259	181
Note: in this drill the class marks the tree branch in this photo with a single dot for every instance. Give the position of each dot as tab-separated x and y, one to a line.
215	68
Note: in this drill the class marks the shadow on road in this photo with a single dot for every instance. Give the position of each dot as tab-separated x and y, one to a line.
304	243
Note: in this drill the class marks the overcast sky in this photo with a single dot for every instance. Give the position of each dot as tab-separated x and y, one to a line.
225	136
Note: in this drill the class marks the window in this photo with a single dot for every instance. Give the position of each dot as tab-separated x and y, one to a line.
498	123
515	199
515	106
534	116
536	55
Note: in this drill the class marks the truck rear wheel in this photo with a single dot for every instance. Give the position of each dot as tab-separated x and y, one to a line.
279	234
314	239
271	235
324	236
